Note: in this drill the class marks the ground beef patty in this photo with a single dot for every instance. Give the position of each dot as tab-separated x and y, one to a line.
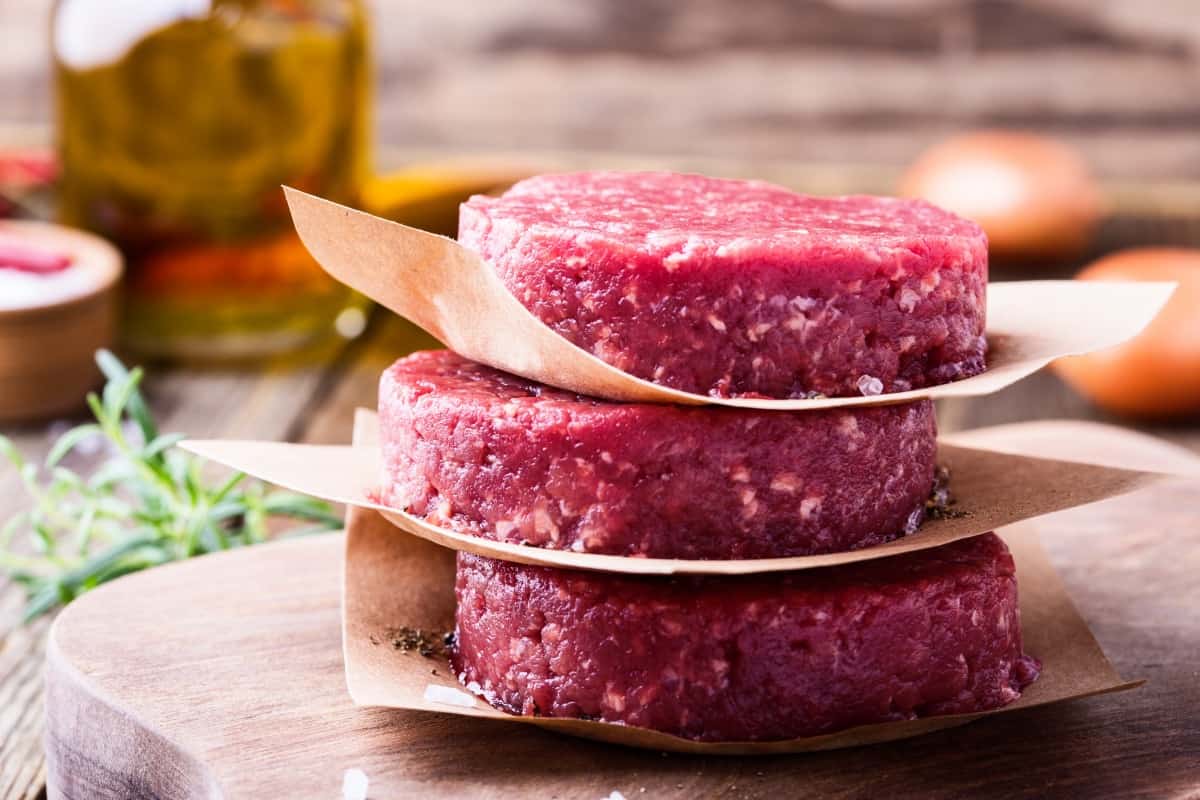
740	287
483	452
754	658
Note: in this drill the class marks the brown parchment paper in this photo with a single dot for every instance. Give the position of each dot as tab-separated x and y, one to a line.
1090	442
454	295
393	581
993	489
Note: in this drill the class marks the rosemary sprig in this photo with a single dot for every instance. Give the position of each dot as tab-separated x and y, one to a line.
146	505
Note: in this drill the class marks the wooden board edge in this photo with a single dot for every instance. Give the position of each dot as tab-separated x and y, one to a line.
97	749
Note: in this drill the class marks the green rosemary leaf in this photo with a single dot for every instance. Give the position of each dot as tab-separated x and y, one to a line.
40	601
11	453
300	507
97	409
31	581
69	441
113	369
145	504
9	529
65	593
22	569
66	480
224	489
213	538
227	509
152	518
126	567
191	481
109	474
161	443
113	506
116	394
44	539
104	560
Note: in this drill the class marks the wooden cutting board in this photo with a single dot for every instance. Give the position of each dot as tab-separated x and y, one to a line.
222	678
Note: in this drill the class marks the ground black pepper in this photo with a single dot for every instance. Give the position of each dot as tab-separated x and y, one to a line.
425	643
940	502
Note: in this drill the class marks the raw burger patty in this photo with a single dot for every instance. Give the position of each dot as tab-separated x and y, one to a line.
740	287
756	658
479	451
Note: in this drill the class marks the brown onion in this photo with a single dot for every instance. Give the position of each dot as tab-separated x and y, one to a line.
1033	196
1157	374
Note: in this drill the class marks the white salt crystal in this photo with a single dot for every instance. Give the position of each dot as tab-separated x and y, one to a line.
23	289
614	795
870	386
447	696
354	785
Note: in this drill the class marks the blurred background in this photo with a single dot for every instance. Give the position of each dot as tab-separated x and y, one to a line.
1068	129
849	81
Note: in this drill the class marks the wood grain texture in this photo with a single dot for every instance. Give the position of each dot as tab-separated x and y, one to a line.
235	686
317	404
842	80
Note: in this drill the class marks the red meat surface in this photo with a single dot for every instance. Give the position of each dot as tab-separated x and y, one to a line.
730	287
756	658
479	451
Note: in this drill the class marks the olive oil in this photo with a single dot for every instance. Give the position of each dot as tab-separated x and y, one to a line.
178	122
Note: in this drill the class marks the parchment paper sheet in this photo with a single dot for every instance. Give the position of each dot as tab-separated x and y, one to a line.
993	489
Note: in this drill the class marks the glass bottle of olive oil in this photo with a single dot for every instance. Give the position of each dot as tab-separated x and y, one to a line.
178	120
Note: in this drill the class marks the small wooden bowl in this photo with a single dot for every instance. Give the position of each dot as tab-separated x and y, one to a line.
47	349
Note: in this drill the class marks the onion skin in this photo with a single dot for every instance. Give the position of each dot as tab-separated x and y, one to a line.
1156	375
1034	196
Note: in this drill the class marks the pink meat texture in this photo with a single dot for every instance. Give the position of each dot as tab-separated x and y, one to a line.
482	452
759	658
742	288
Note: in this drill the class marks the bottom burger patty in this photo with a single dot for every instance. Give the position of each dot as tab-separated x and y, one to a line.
761	657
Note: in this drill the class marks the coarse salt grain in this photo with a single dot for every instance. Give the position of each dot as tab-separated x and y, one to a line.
870	386
448	697
354	785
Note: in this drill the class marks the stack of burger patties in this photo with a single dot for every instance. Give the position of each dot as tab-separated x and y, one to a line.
723	288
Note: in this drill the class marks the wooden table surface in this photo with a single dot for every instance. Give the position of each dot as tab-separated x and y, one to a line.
314	403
